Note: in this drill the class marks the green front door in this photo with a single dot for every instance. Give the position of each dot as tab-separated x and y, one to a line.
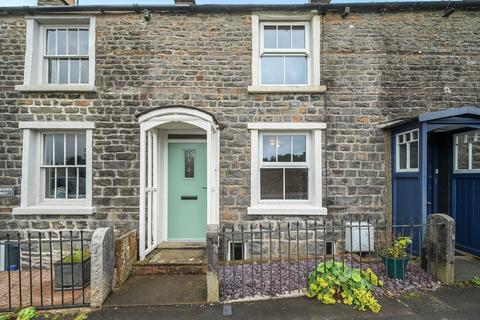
187	191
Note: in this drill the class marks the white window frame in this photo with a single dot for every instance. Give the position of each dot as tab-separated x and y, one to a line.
43	199
312	44
285	165
397	150
36	67
229	250
456	137
32	188
312	206
46	57
282	52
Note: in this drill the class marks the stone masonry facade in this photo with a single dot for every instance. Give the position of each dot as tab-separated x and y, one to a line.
376	66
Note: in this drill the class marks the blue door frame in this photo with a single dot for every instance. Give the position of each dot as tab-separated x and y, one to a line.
413	191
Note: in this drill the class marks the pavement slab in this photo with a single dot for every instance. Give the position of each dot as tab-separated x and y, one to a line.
454	303
151	290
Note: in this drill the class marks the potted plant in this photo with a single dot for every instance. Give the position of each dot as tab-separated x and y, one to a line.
75	267
396	258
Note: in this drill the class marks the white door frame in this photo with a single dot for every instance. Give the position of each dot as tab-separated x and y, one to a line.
153	170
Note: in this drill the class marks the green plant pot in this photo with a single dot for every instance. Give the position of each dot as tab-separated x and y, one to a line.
396	268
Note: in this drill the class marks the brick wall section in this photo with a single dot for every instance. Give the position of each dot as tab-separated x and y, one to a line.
375	65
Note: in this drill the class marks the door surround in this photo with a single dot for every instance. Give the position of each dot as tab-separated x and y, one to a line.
155	124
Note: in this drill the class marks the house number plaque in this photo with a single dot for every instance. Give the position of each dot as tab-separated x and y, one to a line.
6	191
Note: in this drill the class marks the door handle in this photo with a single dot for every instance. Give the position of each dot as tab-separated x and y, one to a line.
188	197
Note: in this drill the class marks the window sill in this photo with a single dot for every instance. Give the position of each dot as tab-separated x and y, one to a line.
285	210
55	210
56	87
287	89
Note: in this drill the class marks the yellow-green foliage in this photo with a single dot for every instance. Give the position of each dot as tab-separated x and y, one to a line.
27	314
476	280
333	281
81	316
398	250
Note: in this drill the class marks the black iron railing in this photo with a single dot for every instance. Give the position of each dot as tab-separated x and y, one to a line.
268	259
45	270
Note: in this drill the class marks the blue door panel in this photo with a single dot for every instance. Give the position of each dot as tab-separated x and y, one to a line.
467	213
407	200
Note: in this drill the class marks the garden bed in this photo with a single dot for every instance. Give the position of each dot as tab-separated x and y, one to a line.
283	277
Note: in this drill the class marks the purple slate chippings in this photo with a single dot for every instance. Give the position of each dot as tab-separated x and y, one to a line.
277	278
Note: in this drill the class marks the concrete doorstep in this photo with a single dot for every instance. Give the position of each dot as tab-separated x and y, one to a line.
447	303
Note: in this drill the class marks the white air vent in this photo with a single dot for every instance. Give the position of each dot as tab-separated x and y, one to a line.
358	236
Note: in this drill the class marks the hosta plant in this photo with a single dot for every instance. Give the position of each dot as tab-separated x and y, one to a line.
334	282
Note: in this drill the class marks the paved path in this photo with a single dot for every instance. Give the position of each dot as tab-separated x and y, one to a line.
444	304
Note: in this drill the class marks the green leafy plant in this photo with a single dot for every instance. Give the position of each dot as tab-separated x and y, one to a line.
7	316
77	256
476	281
27	314
81	316
334	282
399	248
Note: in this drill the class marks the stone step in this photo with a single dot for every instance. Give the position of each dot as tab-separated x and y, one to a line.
173	259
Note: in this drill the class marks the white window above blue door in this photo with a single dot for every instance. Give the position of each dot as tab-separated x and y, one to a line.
467	152
407	155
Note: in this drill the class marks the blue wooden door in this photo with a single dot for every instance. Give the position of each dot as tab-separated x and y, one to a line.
466	190
466	211
406	182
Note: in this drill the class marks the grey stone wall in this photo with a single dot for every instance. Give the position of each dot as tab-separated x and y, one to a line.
376	66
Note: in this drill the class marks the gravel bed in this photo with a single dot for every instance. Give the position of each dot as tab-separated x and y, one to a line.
277	278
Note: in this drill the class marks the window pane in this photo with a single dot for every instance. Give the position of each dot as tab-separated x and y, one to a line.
62	70
74	70
72	41
269	37
298	37
83	41
296	184
272	70
269	146
81	149
51	41
81	182
84	71
295	70
414	155
284	145
462	154
476	154
48	149
415	135
271	184
70	149
52	70
402	149
72	183
189	164
50	183
61	41
299	149
284	37
59	149
60	191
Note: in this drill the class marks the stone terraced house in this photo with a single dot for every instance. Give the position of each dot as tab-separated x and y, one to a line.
167	118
